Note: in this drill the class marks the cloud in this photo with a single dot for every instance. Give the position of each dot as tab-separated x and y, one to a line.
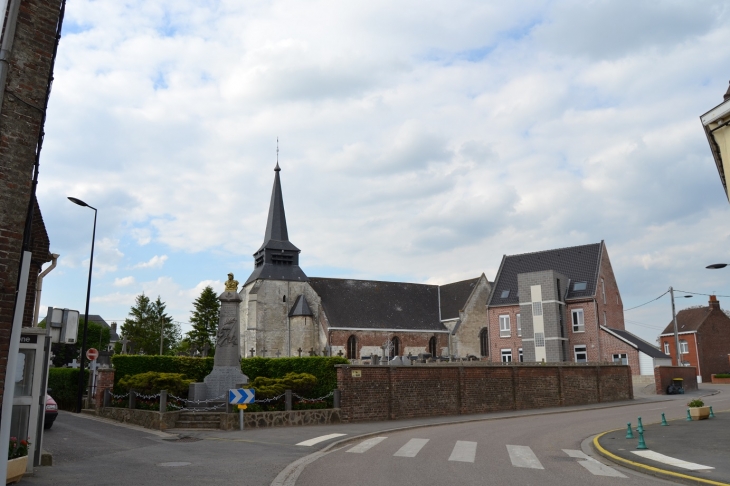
154	262
124	281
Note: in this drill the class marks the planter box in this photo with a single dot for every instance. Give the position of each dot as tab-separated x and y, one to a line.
720	381
699	413
16	469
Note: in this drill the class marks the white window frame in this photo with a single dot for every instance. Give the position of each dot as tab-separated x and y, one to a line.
539	339
504	326
580	348
519	326
622	358
581	326
683	347
521	357
506	353
666	347
537	308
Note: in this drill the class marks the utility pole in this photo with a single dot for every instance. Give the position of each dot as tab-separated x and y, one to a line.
162	333
676	332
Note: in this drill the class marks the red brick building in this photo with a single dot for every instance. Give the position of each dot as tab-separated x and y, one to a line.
704	339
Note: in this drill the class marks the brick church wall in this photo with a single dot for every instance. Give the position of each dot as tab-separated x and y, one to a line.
399	392
30	62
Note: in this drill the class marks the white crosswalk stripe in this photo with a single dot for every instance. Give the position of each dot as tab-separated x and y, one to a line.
464	451
411	448
595	467
317	440
672	461
366	445
522	456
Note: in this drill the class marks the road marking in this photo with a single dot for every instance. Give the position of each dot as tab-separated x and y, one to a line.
366	445
411	448
522	456
672	461
595	467
464	451
317	440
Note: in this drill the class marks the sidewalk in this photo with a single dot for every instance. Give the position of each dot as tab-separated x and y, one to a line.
693	452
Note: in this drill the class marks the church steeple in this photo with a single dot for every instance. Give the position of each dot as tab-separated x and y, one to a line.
277	258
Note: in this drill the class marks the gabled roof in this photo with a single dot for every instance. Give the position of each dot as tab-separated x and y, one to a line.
688	320
97	319
578	263
454	296
370	304
300	308
637	343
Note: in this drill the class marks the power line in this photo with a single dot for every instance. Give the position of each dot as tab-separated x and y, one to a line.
652	300
697	293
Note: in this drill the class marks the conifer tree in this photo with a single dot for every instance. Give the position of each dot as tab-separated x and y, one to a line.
146	321
205	319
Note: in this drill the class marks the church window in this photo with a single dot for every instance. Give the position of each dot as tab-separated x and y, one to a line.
352	347
394	347
484	342
259	260
285	298
282	259
432	345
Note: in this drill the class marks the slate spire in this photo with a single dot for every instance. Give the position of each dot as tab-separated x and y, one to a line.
277	258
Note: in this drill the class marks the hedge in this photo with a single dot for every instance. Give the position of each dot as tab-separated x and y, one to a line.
64	385
198	368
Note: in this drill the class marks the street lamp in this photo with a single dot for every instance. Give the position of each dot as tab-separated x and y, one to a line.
716	266
80	391
674	318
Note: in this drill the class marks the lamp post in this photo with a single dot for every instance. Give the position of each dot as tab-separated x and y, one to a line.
80	391
674	319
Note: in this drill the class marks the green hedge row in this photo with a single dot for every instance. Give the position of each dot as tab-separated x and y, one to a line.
198	368
64	385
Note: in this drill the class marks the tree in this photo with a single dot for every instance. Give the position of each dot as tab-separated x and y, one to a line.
146	321
97	336
205	319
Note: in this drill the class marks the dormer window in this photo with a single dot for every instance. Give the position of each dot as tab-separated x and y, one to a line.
579	286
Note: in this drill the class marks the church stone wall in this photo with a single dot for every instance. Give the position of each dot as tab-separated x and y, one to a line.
473	319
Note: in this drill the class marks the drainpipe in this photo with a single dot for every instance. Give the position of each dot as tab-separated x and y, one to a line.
39	288
7	41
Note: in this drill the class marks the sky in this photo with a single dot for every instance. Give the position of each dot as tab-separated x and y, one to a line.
418	141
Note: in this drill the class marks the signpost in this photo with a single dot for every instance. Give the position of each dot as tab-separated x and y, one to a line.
240	397
92	354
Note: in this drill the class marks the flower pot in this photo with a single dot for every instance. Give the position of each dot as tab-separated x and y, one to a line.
16	469
699	413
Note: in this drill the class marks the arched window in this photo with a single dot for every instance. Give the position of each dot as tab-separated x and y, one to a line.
352	347
394	347
432	345
484	342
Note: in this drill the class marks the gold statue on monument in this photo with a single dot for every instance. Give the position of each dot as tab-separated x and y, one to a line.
231	284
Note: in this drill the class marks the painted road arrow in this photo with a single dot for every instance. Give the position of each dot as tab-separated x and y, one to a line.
239	396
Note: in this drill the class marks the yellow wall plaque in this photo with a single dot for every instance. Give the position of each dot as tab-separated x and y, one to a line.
356	373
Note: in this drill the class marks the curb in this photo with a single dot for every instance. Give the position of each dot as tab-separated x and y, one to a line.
650	470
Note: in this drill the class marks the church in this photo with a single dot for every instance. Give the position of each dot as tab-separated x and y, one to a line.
284	312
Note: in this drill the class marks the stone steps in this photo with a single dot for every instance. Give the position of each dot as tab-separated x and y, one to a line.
198	420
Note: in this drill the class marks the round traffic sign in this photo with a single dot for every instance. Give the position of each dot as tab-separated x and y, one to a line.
92	354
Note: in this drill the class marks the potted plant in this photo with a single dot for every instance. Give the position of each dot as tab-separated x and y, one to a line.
17	460
697	409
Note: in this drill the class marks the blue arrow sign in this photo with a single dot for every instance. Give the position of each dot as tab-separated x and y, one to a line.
238	396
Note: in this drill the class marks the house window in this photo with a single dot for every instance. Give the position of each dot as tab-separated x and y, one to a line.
519	326
519	352
603	290
621	358
578	322
506	356
578	286
666	347
394	347
581	355
683	347
537	308
484	342
539	340
352	347
504	327
505	294
432	345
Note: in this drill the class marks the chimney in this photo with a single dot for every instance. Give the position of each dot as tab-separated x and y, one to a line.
727	95
714	303
114	327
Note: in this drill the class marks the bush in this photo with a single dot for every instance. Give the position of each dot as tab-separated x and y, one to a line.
722	375
299	383
64	385
696	403
321	367
194	369
152	382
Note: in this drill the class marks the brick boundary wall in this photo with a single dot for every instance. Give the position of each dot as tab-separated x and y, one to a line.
663	377
399	392
104	381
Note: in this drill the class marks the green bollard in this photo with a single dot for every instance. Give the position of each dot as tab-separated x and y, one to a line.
712	414
689	417
664	420
642	444
640	427
629	433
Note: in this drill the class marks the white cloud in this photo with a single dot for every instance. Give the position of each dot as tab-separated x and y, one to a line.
154	262
124	281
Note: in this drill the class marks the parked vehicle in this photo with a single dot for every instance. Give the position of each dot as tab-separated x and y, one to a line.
51	412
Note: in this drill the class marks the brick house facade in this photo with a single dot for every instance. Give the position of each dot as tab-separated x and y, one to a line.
704	338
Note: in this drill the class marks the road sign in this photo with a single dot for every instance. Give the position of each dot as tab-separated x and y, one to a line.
92	354
241	395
